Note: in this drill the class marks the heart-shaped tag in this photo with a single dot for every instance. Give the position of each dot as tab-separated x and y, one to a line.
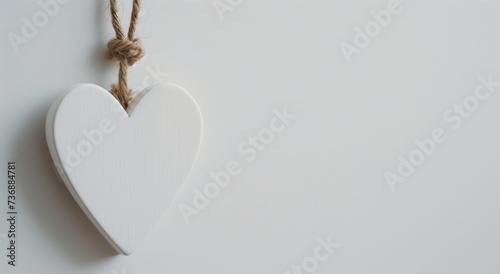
124	167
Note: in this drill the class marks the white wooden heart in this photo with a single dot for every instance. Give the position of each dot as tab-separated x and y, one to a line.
124	167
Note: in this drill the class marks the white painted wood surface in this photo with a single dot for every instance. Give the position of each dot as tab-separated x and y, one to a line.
124	167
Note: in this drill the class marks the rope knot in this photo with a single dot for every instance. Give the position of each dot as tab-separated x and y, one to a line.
125	50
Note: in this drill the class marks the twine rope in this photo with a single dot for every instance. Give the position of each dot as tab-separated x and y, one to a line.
125	49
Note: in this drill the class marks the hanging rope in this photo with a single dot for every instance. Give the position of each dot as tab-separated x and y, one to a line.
125	49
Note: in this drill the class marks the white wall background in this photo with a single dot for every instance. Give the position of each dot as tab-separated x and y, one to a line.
322	176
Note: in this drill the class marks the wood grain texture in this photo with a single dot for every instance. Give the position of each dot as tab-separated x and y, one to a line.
124	167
